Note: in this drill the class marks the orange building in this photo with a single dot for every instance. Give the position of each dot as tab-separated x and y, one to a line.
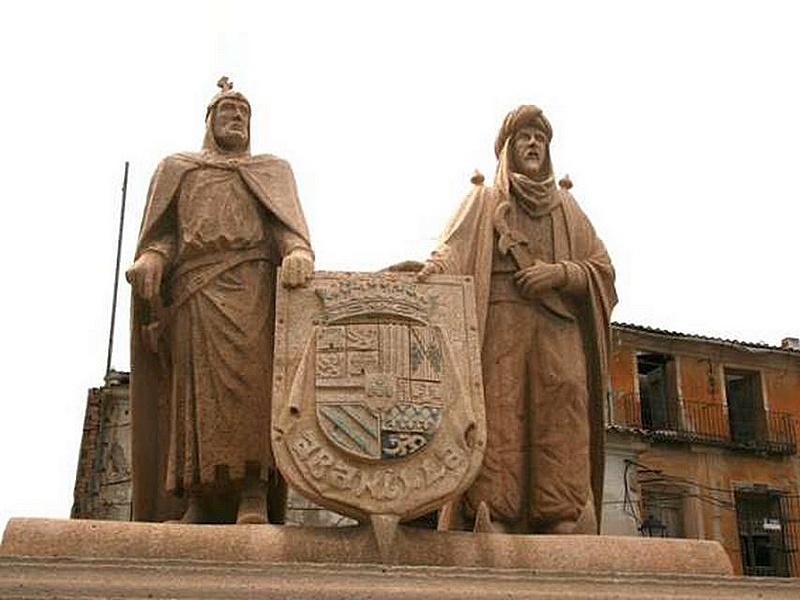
701	443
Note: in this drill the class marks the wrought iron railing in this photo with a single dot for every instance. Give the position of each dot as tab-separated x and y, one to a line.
703	422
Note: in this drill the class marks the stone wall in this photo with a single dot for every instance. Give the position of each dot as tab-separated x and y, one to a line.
103	482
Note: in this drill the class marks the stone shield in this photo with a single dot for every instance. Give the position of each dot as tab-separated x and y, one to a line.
378	403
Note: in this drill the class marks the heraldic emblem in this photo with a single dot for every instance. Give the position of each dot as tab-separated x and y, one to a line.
377	401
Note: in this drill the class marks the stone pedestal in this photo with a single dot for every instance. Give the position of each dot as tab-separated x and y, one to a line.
357	545
43	558
37	578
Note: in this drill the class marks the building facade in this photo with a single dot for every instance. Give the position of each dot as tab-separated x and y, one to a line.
701	443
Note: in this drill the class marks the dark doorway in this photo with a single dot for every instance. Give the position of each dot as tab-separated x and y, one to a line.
745	405
657	390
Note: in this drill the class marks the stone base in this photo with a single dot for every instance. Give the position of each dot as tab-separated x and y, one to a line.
37	578
264	544
43	558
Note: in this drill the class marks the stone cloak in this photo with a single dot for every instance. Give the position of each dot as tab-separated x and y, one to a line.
271	182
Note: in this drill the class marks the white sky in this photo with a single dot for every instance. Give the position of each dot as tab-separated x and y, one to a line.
677	122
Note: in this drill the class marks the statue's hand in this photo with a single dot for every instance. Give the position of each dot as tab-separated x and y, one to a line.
539	278
429	268
145	274
296	268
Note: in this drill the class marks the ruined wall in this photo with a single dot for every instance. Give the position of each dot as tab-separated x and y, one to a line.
103	482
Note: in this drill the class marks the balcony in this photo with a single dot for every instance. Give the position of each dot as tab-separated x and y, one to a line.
698	422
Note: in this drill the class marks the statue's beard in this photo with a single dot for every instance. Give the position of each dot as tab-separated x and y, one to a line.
231	140
531	168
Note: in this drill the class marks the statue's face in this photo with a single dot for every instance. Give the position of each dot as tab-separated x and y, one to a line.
529	150
231	125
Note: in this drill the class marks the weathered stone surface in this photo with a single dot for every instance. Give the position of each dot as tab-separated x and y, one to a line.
216	225
348	545
377	399
103	479
544	288
47	578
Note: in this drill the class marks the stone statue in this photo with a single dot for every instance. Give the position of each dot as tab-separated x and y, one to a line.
216	226
544	294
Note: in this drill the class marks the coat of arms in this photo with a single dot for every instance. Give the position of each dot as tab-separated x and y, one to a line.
378	402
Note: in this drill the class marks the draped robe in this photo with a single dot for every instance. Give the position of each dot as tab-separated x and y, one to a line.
531	472
201	397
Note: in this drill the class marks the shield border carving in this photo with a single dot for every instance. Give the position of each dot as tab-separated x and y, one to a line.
358	487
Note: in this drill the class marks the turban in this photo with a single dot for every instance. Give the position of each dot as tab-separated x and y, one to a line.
526	115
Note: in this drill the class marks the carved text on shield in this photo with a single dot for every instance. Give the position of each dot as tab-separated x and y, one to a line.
382	484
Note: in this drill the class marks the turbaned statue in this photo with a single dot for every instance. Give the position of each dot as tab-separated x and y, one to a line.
544	294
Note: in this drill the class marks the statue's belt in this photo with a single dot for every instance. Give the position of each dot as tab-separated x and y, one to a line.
192	276
189	278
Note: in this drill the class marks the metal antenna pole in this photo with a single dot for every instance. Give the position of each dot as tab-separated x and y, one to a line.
116	270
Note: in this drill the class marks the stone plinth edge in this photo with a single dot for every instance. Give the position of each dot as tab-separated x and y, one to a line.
356	545
40	578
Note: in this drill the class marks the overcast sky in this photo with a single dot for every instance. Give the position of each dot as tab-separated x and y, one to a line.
677	122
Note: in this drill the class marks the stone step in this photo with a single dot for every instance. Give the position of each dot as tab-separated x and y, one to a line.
40	578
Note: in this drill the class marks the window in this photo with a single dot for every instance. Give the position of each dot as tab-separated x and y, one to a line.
746	416
657	390
761	532
663	504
